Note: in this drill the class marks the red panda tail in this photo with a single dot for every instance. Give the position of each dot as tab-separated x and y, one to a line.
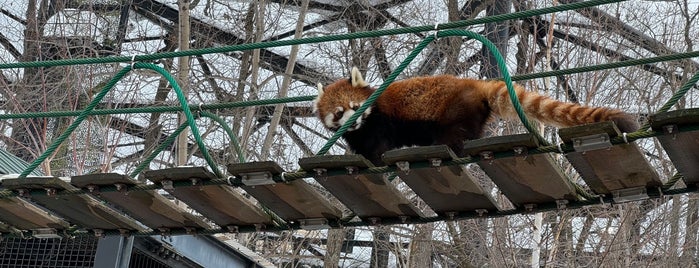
553	112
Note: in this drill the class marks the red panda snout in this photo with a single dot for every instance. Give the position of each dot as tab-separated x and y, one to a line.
336	119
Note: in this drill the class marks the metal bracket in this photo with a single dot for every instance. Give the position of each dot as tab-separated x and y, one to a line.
99	233
167	185
257	178
314	224
403	166
481	212
529	207
93	189
520	151
630	194
561	203
51	191
591	142
374	220
670	129
45	233
232	229
435	162
120	187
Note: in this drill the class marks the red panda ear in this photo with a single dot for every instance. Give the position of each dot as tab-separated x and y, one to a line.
357	79
320	89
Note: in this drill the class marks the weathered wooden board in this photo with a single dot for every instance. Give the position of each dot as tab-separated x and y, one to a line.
81	209
148	207
293	200
368	195
445	189
222	204
608	168
25	216
524	179
681	145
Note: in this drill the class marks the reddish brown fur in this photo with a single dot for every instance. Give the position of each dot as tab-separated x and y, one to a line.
434	98
442	110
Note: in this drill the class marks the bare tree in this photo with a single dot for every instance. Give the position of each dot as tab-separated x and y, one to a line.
647	232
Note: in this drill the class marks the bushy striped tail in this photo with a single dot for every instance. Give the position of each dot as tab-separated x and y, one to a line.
556	113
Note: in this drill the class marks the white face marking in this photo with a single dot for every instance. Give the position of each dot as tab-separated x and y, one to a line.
345	116
335	120
328	121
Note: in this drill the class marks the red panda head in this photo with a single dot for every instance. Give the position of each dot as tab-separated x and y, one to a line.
339	100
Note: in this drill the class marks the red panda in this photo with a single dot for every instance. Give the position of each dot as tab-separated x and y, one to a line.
440	109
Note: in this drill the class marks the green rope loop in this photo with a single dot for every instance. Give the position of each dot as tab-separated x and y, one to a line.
375	95
91	106
310	40
229	131
278	221
170	139
83	114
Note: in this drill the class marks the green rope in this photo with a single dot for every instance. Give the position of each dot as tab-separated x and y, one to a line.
606	66
160	109
230	105
319	39
78	120
229	131
91	106
170	139
278	221
676	97
375	95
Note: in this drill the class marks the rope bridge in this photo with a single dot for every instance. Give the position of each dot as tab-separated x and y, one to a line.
520	165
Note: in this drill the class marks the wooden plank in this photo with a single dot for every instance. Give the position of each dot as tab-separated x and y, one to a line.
80	209
500	144
681	144
148	207
607	168
222	204
368	195
608	127
25	216
294	200
445	189
684	117
524	179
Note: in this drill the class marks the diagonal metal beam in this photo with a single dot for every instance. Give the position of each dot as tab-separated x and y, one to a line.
272	61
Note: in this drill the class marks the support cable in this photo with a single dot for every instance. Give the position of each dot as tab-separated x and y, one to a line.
310	40
230	105
86	112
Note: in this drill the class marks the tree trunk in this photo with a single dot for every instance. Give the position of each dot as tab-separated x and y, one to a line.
498	33
334	247
421	246
380	250
183	77
276	117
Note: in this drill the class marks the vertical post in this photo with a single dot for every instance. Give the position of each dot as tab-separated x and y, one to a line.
183	76
113	251
536	240
498	33
278	109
